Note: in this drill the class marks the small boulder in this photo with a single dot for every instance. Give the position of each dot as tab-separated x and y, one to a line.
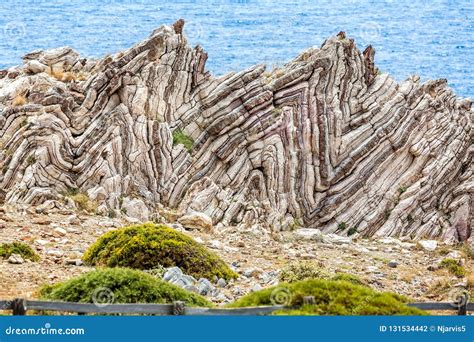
191	288
60	231
308	234
196	220
336	239
16	259
204	287
393	263
221	282
171	273
35	67
74	262
73	220
136	209
428	245
454	255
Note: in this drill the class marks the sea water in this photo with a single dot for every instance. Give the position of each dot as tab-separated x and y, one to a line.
433	39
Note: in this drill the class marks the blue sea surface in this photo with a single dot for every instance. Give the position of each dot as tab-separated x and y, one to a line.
433	39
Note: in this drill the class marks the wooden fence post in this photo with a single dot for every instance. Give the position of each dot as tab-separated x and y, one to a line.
19	307
178	308
462	308
309	300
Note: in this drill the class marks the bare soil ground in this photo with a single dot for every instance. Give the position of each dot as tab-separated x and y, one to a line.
60	238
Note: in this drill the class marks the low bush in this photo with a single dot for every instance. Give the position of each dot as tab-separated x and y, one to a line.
302	270
331	298
83	202
453	266
119	285
349	278
22	249
148	246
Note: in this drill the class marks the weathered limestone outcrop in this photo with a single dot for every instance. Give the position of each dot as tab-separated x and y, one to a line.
326	141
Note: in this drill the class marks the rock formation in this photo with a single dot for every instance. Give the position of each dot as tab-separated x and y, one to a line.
326	141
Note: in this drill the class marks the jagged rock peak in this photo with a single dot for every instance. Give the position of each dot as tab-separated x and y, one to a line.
325	141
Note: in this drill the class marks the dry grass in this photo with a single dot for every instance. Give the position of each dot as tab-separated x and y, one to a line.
470	284
67	76
81	76
407	277
19	100
440	288
467	251
83	202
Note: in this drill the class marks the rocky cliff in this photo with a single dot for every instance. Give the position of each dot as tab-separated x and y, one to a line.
326	141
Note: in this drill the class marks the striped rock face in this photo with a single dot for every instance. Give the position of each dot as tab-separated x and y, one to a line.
325	141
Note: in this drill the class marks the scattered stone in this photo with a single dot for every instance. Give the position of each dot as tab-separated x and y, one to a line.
73	230
60	231
221	282
15	259
393	263
196	220
251	272
336	239
214	244
49	206
74	262
178	227
308	234
191	288
204	287
55	252
256	287
42	242
171	273
220	297
135	209
73	220
428	245
41	221
390	241
454	255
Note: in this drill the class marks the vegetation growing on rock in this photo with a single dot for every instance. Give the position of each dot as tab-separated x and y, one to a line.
22	249
149	245
119	285
179	137
331	298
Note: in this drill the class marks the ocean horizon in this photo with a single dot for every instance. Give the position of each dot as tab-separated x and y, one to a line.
431	39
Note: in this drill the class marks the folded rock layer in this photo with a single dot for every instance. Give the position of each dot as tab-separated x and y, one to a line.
326	141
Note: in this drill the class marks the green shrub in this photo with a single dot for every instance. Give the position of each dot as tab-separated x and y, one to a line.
349	278
402	189
302	270
84	203
453	266
119	285
149	245
468	251
331	298
179	137
22	249
352	231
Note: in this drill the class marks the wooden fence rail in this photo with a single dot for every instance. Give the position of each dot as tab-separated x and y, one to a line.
20	306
